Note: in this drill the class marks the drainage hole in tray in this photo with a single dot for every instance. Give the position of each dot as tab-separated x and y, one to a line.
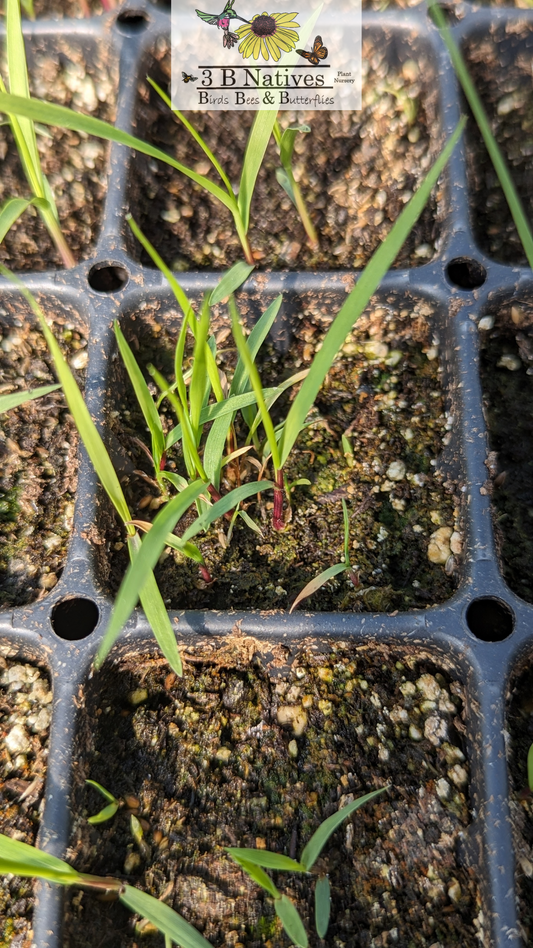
490	619
107	277
75	618
466	273
132	21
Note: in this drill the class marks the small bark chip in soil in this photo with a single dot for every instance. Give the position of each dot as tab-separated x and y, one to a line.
356	171
385	392
521	732
25	700
74	163
241	752
38	463
500	65
507	380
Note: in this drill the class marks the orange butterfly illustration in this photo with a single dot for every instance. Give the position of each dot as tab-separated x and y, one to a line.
319	52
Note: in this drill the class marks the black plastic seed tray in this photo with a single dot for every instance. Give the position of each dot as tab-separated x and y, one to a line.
484	634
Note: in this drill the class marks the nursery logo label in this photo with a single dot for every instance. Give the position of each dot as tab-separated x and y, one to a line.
243	58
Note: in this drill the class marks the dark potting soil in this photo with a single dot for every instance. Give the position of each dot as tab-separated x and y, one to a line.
507	379
256	750
386	394
74	163
25	699
500	65
520	725
356	170
38	462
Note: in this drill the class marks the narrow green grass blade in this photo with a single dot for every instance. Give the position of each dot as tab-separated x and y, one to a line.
195	134
322	905
291	921
286	144
354	305
496	156
213	412
32	862
157	616
143	396
255	340
285	182
7	402
18	79
49	114
107	795
316	583
253	159
190	451
27	6
168	921
260	876
11	211
346	521
319	839
104	815
255	381
144	557
199	373
182	299
266	859
224	505
272	395
231	281
94	445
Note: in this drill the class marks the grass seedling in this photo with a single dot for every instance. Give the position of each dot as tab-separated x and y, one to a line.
255	861
295	421
108	812
496	156
327	574
20	859
285	141
23	130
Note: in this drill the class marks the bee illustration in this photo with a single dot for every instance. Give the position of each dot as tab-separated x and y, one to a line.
319	52
187	78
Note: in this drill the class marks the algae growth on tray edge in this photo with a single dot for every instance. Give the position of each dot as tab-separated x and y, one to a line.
386	392
241	752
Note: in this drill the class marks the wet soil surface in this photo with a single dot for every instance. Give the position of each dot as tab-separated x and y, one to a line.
500	65
521	733
74	163
25	700
507	379
38	463
386	394
356	171
257	751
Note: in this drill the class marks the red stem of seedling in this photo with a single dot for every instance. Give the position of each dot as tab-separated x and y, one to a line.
205	574
277	515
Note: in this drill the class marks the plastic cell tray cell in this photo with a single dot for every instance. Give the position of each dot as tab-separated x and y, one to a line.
484	633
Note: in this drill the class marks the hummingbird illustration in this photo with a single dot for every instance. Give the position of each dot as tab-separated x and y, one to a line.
222	20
